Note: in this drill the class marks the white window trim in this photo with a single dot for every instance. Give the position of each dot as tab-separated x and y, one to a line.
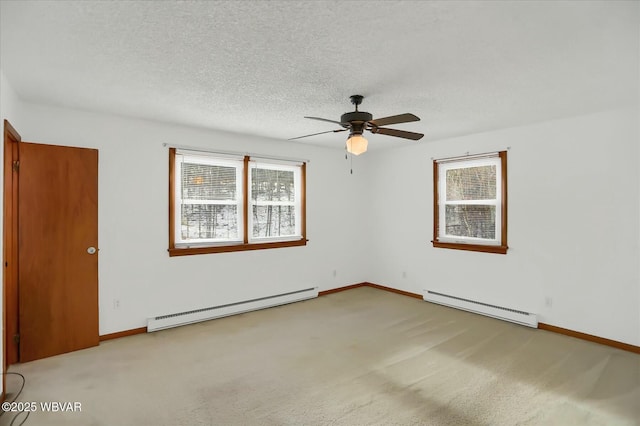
238	164
442	203
297	182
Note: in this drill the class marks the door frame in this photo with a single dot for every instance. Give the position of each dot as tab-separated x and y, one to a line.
11	220
10	250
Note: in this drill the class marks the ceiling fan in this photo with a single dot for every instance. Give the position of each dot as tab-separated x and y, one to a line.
357	122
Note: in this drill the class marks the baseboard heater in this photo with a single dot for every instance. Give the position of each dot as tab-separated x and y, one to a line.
189	317
500	312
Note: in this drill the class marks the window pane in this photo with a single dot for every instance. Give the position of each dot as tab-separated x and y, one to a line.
200	221
471	221
272	185
471	183
274	221
208	182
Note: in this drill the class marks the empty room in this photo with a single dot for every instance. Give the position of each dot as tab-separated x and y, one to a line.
320	213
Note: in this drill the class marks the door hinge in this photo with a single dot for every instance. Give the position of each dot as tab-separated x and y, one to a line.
16	165
16	339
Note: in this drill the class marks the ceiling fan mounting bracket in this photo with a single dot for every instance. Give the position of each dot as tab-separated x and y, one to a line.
356	100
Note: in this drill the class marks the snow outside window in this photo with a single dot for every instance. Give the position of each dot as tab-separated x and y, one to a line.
231	202
208	200
274	202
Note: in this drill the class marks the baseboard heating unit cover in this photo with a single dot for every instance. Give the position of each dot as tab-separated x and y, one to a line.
197	315
500	312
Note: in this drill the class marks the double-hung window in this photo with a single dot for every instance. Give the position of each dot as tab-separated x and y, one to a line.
470	203
222	203
208	196
274	202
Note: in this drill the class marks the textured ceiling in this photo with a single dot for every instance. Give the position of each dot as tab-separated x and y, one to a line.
258	67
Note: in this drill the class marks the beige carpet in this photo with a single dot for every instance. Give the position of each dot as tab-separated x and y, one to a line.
359	357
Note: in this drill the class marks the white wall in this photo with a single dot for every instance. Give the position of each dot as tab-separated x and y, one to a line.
574	233
135	267
573	223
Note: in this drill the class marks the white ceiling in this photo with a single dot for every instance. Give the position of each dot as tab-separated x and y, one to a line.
258	67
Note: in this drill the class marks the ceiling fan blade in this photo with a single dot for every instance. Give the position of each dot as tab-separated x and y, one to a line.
321	133
345	125
394	119
397	133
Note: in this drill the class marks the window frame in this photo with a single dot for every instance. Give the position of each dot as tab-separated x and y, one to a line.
247	243
470	244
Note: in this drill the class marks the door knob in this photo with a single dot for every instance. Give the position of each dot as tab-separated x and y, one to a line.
91	250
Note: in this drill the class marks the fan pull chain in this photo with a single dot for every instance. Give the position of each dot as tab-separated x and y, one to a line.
346	157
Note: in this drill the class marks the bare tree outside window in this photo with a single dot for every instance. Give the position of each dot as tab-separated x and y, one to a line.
471	184
470	203
209	209
226	202
273	199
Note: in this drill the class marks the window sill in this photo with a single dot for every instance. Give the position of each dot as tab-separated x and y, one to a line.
187	251
471	247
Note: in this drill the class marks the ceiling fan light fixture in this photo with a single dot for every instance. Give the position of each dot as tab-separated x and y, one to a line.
357	144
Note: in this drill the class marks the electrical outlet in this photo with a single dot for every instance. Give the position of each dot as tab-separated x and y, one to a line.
335	273
548	302
116	303
404	274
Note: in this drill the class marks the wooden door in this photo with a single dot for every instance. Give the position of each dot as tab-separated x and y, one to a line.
57	229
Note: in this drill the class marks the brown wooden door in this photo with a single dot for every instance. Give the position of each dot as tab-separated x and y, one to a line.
58	223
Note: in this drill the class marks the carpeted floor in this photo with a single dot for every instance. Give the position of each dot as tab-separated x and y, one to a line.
359	357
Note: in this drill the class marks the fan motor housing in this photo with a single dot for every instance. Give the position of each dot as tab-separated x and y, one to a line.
361	116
